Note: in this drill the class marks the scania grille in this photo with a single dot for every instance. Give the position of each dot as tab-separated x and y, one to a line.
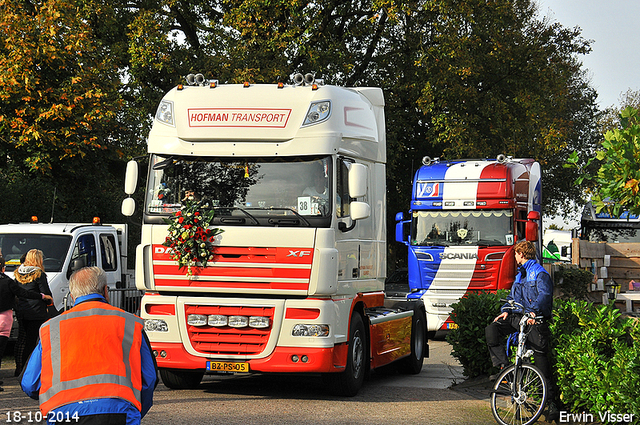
225	340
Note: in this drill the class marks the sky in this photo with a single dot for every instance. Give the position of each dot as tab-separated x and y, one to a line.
614	62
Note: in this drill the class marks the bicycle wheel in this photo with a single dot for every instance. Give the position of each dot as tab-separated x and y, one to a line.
519	401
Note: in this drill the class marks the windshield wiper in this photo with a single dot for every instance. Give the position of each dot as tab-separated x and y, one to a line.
436	243
285	220
224	216
233	220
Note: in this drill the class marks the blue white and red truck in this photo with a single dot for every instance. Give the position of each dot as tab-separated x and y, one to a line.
464	219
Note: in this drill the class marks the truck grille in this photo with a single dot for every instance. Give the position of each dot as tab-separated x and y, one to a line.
225	340
240	269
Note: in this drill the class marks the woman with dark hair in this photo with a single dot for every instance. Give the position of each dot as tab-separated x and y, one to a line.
31	313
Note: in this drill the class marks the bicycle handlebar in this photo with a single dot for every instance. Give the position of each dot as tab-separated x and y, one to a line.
513	304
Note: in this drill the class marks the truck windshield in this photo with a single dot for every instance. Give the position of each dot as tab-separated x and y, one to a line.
54	248
462	227
245	191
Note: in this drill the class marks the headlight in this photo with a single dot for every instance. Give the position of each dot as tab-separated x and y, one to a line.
317	113
259	322
197	319
238	321
164	113
217	320
155	325
310	330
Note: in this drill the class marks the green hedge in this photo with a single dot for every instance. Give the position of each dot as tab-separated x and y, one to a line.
594	349
472	314
597	358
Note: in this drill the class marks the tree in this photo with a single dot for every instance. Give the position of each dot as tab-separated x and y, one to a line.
461	78
57	86
617	181
498	79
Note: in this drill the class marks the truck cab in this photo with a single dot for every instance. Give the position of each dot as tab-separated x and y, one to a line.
67	247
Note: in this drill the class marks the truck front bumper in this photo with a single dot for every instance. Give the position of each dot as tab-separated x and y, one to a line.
283	359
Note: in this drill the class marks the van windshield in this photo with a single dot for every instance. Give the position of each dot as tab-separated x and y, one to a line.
245	191
462	227
54	248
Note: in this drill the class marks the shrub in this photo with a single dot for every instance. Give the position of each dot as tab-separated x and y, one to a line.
573	282
597	358
472	314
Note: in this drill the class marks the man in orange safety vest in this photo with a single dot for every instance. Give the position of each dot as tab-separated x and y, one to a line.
93	363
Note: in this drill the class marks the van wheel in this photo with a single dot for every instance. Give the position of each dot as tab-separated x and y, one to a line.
180	379
413	363
349	382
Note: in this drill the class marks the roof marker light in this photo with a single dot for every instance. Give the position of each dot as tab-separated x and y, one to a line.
246	84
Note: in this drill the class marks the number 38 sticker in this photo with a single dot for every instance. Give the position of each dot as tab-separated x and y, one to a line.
304	205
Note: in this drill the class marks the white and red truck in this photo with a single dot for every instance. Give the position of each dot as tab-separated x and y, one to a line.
465	217
296	177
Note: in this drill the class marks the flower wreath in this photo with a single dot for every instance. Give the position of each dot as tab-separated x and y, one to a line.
190	238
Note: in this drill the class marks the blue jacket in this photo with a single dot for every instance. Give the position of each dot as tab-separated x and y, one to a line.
30	383
533	289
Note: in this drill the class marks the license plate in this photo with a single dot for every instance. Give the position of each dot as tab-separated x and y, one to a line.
452	326
227	367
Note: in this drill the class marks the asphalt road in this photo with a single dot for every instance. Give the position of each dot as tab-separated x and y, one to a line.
386	398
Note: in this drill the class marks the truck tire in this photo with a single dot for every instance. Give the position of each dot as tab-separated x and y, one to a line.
349	382
413	363
180	379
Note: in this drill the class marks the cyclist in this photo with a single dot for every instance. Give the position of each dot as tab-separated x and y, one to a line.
533	289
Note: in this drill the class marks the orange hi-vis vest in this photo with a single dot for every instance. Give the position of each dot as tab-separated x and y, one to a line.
91	351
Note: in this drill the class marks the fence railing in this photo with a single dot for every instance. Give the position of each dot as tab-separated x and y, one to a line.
127	299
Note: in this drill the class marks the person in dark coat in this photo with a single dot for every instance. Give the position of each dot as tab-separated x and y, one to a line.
8	292
31	313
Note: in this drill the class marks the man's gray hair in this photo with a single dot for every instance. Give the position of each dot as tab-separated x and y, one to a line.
87	280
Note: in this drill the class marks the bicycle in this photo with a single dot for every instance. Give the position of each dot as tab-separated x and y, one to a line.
520	391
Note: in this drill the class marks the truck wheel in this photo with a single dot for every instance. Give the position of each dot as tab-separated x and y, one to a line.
349	382
413	363
181	379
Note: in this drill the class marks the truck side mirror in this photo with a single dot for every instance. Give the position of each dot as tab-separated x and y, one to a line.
357	180
531	231
130	184
402	229
128	207
533	215
76	264
131	178
359	210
